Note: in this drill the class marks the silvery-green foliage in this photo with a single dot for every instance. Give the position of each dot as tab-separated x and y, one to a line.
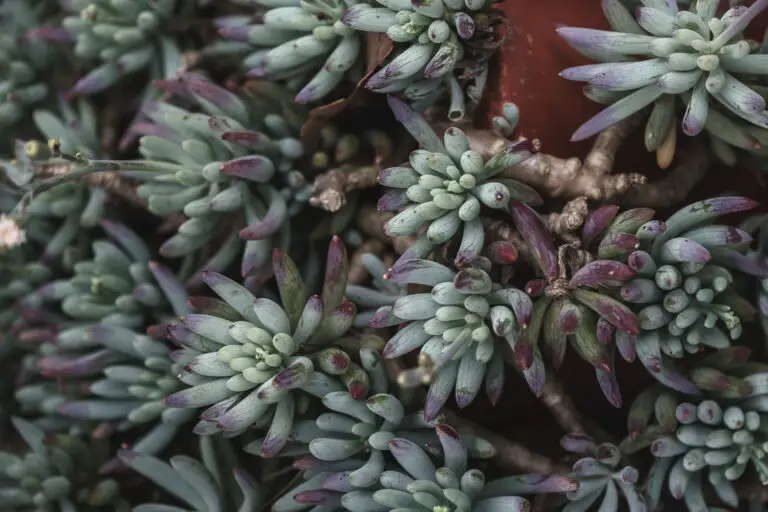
690	53
716	439
123	36
457	326
250	359
356	433
601	473
420	482
444	44
382	292
300	42
58	473
106	372
116	286
682	292
444	186
211	484
237	158
25	56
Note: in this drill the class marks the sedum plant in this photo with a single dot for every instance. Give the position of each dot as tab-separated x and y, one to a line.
666	51
383	293
441	45
600	475
249	366
718	439
457	326
57	473
416	482
444	186
581	309
683	293
124	36
211	484
303	43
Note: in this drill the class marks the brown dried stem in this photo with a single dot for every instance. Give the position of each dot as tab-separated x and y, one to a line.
109	181
676	186
572	217
330	189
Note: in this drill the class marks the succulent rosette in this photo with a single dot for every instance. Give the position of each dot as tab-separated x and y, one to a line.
457	326
302	43
420	482
230	171
205	485
25	56
123	37
441	45
250	359
575	301
666	51
57	473
717	439
600	474
442	189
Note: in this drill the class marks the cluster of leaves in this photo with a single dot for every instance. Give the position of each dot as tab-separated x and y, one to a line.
108	345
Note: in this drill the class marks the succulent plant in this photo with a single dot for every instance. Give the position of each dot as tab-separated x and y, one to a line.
444	186
580	309
457	326
384	292
683	290
416	482
207	485
722	435
600	474
690	53
209	166
446	45
298	40
109	373
125	37
249	365
58	473
115	287
25	56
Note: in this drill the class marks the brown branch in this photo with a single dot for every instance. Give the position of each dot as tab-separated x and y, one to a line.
509	455
330	189
569	178
676	186
572	217
110	181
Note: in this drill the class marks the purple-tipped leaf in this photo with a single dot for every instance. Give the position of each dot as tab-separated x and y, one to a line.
535	233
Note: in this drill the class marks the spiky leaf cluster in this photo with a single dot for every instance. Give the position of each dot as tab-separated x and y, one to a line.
690	53
715	439
58	473
441	45
683	292
444	186
420	482
211	484
123	37
457	326
581	309
25	56
297	40
600	474
211	166
248	361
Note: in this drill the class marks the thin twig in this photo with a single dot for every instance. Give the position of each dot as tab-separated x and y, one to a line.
109	181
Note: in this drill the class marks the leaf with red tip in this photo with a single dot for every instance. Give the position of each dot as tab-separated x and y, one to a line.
392	200
494	377
612	310
208	94
535	233
630	221
601	273
336	270
271	222
617	245
256	168
416	125
683	250
569	318
502	252
597	222
609	385
584	341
